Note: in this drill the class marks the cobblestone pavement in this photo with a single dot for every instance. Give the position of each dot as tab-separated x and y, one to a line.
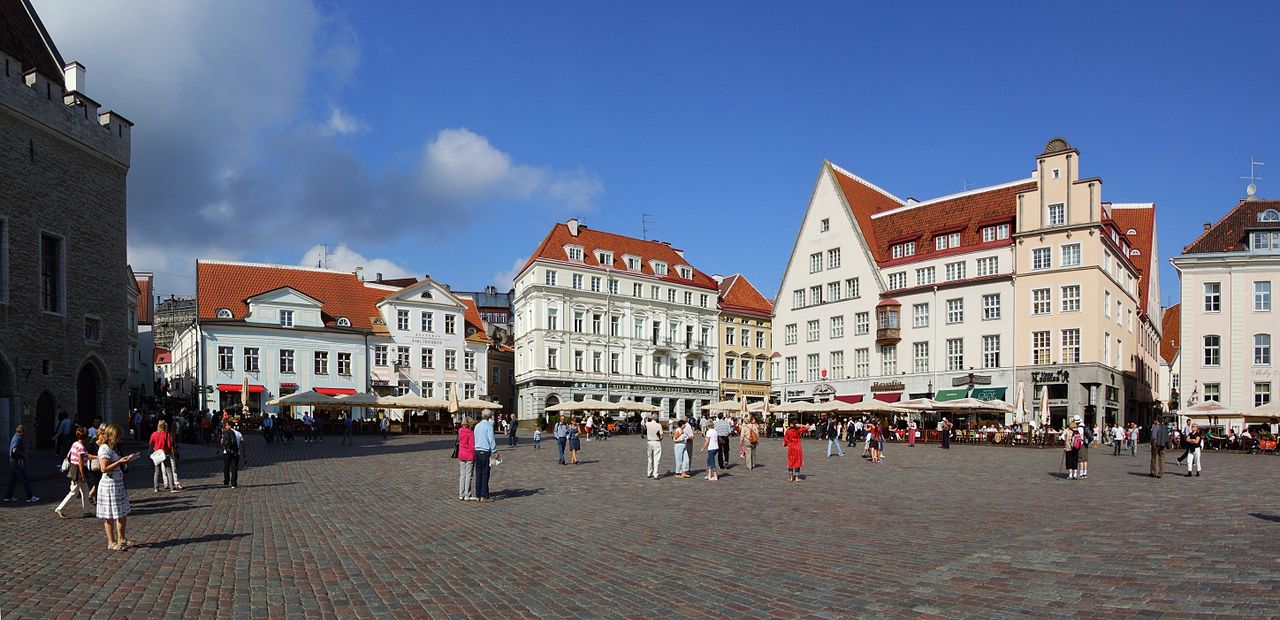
376	530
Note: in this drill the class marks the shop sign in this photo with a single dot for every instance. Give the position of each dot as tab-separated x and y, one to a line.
1056	376
888	386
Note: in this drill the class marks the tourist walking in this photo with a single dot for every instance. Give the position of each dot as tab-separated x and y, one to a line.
711	445
750	441
346	429
466	460
911	434
832	432
653	444
681	442
1159	443
724	428
62	435
573	441
1082	456
18	466
1133	439
562	436
486	443
537	439
113	497
1194	441
1117	439
945	428
384	425
232	443
1072	440
161	446
512	426
77	473
792	440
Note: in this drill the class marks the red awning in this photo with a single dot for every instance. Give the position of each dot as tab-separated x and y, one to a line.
235	387
889	397
852	399
335	391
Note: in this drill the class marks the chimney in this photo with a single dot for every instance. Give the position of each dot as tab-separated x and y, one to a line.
73	74
573	225
491	290
360	273
379	278
718	278
1207	226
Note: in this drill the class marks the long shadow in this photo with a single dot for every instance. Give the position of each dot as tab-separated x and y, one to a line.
1140	473
177	542
1059	475
510	493
163	509
1271	518
268	484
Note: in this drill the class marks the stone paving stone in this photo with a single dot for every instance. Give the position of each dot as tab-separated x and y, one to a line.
375	531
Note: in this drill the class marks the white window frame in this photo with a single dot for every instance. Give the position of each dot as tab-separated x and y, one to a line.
1262	296
1212	297
991	354
1041	258
920	315
1070	303
991	307
1070	255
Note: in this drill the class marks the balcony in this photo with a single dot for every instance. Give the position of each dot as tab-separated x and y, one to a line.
887	336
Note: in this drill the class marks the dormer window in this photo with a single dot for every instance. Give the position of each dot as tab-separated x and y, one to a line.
993	233
604	258
1265	240
659	268
286	318
1270	215
344	322
946	241
574	252
1131	231
633	262
903	250
684	272
224	313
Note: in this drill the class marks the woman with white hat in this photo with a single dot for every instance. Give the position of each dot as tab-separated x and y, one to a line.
1086	439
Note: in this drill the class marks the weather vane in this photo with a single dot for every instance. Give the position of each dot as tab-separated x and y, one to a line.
1253	177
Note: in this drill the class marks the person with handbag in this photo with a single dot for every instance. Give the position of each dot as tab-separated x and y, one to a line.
113	497
232	443
465	452
486	445
76	473
18	465
161	447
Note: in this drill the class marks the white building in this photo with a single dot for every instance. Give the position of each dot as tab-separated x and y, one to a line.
1171	357
607	316
428	341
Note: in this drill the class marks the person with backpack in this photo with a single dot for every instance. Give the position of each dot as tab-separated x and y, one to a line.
1072	440
1082	457
232	443
832	432
750	439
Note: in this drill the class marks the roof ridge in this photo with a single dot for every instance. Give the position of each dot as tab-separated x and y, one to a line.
1132	205
597	231
1204	233
863	181
234	263
964	194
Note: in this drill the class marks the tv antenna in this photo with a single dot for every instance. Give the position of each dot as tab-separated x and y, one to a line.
645	220
1253	177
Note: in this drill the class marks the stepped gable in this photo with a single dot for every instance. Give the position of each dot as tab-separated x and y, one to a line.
228	285
1170	328
738	295
1229	234
552	249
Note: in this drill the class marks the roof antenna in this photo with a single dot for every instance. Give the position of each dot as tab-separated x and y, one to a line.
1252	189
644	225
964	185
323	261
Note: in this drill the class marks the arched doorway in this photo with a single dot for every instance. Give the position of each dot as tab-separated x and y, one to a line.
45	408
88	395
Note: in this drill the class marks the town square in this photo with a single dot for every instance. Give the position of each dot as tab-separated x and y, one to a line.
842	309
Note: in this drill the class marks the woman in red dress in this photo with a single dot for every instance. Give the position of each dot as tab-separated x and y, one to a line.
795	451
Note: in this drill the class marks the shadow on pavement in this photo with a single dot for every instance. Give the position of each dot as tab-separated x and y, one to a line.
176	542
152	510
1271	518
511	493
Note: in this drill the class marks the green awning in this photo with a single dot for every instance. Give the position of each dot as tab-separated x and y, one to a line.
989	393
955	394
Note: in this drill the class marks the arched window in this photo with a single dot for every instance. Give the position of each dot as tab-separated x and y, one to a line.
1270	215
1131	231
224	313
344	322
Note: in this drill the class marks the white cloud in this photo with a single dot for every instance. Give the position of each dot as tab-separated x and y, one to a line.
461	164
343	258
505	280
342	124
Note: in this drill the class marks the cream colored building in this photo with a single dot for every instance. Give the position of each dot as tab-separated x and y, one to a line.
746	340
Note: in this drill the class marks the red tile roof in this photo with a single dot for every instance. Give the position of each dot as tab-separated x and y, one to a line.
144	299
552	248
1170	328
1141	219
227	285
1229	234
472	317
739	296
163	356
22	36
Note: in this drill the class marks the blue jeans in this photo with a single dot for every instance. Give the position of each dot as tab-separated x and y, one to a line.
482	473
1118	443
681	466
560	441
16	473
834	442
711	459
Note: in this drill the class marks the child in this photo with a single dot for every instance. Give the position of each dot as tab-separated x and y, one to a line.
537	439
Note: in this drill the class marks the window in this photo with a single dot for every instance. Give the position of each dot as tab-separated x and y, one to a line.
898	280
989	266
833	258
902	250
861	363
286	361
991	307
615	325
728	367
1002	231
920	315
575	253
251	359
815	295
380	355
553	358
1262	296
824	225
52	274
428	320
344	364
469	361
225	357
576	281
1212	350
550	277
889	359
1057	215
553	321
639	366
851	288
402	357
633	263
702	301
1106	303
1071	298
991	351
1040	343
955	271
595	361
862	323
792	375
837	327
812	331
992	233
1212	297
789	333
428	358
1041	258
728	336
93	329
688	298
615	363
926	275
1213	392
596	323
653	292
450	359
797	298
224	313
595	284
1070	346
450	323
1261	393
943	242
322	362
1262	349
812	366
286	318
955	311
1106	347
760	338
1071	255
955	354
833	291
920	352
837	366
1119	311
637	290
659	268
1265	240
705	339
815	262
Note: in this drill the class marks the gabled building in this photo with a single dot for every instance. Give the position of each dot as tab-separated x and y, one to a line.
746	340
602	315
427	340
1171	357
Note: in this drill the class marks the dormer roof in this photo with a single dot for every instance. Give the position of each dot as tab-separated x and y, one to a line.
552	249
226	284
1230	234
1139	217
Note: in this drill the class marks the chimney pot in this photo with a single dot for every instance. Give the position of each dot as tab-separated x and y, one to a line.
360	273
379	278
73	74
1207	226
573	225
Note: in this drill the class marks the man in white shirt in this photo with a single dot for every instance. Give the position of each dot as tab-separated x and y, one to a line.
653	438
1117	439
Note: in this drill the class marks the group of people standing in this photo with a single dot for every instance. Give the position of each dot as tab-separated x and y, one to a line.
477	452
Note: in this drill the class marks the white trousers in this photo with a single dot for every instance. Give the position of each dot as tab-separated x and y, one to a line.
1193	457
655	455
77	488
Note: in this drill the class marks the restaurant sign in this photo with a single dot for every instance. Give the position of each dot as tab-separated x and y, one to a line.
888	386
1056	376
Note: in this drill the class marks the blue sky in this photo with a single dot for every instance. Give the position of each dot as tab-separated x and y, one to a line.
447	139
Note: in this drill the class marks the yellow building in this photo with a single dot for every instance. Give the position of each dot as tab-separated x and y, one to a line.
746	340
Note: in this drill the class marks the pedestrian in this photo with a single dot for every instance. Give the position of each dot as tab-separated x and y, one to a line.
161	445
1194	441
62	435
347	422
573	441
681	436
881	429
590	423
172	461
724	428
486	445
512	426
384	425
711	445
137	425
268	431
466	460
911	433
653	443
113	497
1133	439
1159	443
18	465
77	473
750	441
537	439
945	428
561	433
1083	453
832	432
792	440
1072	440
1117	439
232	443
